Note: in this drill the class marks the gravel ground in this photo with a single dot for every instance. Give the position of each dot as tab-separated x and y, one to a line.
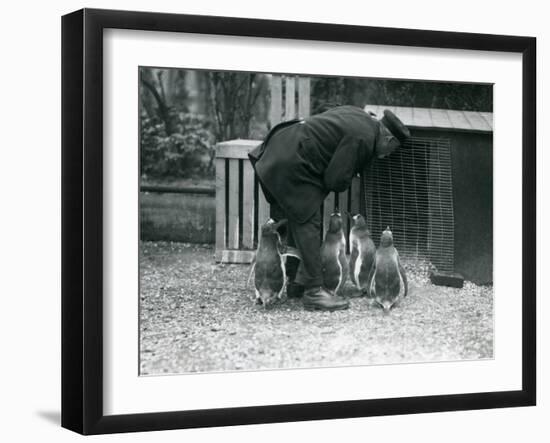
197	316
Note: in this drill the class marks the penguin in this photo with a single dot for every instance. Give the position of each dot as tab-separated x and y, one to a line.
362	251
387	281
269	264
334	263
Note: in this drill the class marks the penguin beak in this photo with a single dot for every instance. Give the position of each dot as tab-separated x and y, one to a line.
266	302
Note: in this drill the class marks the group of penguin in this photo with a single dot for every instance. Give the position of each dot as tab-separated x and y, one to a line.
376	272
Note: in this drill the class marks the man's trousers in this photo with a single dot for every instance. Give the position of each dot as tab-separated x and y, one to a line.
306	237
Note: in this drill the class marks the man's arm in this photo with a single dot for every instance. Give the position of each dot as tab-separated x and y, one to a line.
343	164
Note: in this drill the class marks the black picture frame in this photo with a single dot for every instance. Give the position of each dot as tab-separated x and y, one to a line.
82	218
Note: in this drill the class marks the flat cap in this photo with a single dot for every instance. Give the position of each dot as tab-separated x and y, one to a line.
395	126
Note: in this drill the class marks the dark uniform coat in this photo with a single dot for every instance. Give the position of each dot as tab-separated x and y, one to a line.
301	161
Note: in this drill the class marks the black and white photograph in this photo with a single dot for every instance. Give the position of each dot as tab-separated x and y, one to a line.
271	222
297	221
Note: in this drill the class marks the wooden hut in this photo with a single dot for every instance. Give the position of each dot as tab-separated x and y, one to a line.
438	189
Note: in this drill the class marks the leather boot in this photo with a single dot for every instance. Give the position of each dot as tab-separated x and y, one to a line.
294	290
322	300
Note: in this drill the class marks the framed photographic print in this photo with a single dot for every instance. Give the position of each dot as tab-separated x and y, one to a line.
269	221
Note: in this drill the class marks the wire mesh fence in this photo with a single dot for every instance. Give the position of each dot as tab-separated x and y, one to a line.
411	192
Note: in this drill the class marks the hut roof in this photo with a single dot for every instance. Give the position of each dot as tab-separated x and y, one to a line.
438	118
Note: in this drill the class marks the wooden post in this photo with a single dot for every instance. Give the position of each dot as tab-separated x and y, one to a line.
220	208
290	98
233	221
248	205
303	97
276	111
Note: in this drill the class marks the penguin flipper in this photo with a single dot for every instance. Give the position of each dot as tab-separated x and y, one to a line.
344	264
292	252
331	278
344	269
252	267
352	263
371	277
404	277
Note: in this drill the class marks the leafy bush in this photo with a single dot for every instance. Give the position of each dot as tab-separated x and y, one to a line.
186	153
